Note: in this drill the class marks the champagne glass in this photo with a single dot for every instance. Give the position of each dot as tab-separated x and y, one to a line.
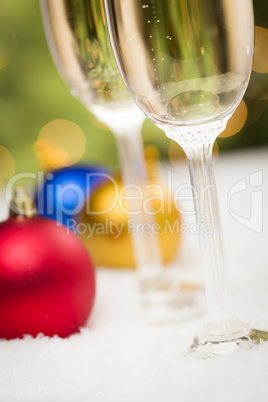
78	37
187	65
79	42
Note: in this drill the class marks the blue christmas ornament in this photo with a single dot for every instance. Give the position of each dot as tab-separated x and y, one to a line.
65	191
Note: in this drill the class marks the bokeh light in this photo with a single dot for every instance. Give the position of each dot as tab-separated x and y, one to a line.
8	44
255	90
260	62
60	142
236	122
7	164
50	157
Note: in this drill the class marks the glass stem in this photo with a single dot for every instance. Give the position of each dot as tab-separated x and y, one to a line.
223	324
126	123
146	245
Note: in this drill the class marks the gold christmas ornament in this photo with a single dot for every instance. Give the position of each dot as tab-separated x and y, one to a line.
105	225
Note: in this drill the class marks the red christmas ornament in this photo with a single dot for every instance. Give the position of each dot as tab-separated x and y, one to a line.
47	281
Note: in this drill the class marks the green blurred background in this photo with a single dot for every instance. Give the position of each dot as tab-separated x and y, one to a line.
32	94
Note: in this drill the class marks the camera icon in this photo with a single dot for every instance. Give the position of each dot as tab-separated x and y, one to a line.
252	194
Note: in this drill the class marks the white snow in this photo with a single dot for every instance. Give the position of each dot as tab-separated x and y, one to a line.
125	355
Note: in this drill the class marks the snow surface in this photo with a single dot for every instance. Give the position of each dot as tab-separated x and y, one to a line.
126	354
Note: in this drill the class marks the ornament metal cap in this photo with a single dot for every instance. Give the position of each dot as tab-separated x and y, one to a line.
22	204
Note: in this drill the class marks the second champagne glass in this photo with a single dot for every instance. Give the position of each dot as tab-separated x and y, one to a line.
187	66
79	42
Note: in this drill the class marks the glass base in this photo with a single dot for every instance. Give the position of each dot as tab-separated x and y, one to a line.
170	300
207	350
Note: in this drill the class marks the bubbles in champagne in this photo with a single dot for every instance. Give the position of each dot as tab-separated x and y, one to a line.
83	51
188	60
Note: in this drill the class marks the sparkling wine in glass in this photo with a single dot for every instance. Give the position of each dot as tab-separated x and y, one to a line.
79	42
187	65
78	37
